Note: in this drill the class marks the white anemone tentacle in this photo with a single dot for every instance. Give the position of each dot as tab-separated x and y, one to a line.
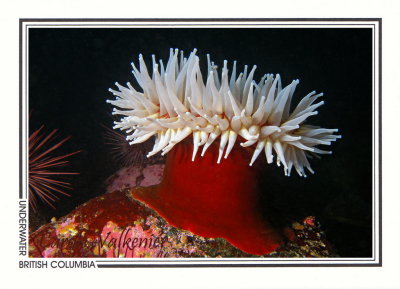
176	102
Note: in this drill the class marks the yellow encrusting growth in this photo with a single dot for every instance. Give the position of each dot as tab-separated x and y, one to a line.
175	103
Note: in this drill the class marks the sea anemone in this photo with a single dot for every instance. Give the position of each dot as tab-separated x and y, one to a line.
212	196
45	178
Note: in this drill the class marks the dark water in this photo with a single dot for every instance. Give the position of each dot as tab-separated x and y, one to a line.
70	71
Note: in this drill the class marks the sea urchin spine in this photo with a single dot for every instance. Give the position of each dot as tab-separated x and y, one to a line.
44	173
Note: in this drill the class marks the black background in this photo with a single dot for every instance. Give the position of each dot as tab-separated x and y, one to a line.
71	69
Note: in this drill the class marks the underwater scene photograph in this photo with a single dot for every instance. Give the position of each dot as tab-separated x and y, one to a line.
199	142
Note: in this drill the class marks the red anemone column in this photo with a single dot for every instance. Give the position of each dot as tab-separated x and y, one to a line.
213	200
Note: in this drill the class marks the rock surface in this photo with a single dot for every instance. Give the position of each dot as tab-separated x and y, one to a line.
115	225
135	176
